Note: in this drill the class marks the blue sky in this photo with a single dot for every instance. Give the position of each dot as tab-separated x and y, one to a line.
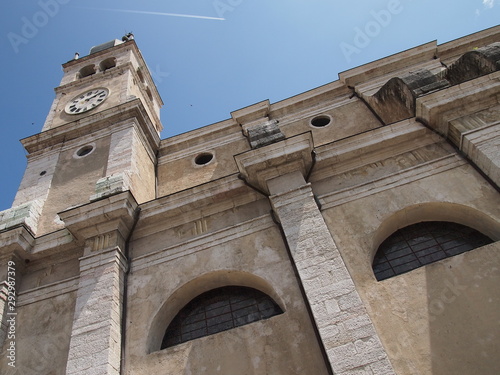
230	54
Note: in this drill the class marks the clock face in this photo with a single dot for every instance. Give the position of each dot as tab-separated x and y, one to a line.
86	101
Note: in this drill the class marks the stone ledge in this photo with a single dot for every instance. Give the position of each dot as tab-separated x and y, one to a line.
202	243
17	239
263	164
252	112
114	213
438	108
26	214
48	291
399	178
194	203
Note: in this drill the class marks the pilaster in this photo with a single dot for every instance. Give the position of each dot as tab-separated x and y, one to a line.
347	332
345	329
16	242
4	295
12	269
102	227
95	346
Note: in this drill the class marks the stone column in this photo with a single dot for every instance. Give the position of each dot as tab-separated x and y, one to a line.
102	227
348	335
95	346
4	293
347	332
16	242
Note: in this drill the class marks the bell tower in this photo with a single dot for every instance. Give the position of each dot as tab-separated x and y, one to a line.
99	139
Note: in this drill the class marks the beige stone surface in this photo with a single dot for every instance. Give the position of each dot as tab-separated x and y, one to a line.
421	315
43	330
159	287
109	246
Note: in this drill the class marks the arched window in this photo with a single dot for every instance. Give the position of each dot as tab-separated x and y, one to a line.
107	64
423	243
87	71
219	310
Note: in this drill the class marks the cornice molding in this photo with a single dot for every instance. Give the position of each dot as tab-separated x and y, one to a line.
115	213
265	163
133	110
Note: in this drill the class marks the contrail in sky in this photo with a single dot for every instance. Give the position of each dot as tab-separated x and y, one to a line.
160	13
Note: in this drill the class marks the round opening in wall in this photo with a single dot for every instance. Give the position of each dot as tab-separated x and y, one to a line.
204	158
321	121
43	173
84	151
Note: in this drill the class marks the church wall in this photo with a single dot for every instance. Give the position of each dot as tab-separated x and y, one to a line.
42	334
35	183
264	200
349	116
143	171
178	170
250	254
174	229
74	179
438	318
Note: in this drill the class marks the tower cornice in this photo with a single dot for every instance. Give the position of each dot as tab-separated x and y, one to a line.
133	109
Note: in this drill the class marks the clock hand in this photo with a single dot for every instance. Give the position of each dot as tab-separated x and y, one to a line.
92	97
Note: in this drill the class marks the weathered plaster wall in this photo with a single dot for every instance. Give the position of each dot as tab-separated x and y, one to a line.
177	169
160	286
438	319
42	336
349	116
74	180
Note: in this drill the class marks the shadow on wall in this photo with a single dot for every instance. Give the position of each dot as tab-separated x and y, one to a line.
450	307
463	301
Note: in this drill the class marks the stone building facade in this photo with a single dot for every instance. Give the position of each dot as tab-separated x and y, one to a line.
351	229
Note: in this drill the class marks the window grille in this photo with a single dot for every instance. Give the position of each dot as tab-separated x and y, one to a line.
423	243
219	310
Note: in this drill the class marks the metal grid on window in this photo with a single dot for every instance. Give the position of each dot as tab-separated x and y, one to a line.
424	243
219	310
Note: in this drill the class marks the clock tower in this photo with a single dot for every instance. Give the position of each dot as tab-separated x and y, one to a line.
100	136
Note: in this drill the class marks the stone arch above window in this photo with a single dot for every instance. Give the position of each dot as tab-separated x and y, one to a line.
107	64
87	71
219	310
426	242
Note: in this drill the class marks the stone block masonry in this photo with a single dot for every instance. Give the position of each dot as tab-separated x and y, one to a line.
95	347
346	330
